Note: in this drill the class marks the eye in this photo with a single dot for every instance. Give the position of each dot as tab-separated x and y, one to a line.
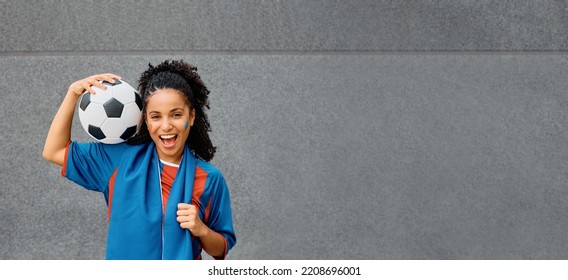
155	117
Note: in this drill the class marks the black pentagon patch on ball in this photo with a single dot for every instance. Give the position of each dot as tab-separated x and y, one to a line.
117	82
113	108
138	100
128	132
85	100
96	132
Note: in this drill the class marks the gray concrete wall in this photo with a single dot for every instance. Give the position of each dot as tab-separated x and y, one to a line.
345	129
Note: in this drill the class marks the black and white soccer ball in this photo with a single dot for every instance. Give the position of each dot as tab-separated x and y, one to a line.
111	116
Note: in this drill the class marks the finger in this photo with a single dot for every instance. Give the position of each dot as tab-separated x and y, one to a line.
184	206
98	83
184	212
115	77
87	87
109	77
186	225
90	82
183	219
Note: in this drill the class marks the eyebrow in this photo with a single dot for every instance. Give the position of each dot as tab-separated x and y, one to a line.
172	110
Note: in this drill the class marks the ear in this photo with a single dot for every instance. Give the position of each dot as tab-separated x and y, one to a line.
191	117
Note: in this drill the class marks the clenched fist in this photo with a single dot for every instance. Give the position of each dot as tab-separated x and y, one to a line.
188	218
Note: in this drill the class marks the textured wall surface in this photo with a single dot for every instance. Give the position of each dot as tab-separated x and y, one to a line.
345	129
285	25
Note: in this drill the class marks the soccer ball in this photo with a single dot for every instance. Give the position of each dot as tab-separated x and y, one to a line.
110	116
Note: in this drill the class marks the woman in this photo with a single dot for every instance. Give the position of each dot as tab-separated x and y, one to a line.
165	200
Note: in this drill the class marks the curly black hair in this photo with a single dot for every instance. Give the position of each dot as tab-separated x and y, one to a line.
181	76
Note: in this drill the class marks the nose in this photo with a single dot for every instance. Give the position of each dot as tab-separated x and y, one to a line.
166	124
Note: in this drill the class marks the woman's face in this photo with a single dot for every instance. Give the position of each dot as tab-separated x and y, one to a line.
169	120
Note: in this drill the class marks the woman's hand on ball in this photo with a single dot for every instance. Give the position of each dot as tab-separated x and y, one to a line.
80	86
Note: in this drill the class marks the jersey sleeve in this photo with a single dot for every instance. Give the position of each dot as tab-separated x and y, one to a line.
91	164
220	215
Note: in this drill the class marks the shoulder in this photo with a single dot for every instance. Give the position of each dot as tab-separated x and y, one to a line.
117	147
98	147
211	176
124	149
210	170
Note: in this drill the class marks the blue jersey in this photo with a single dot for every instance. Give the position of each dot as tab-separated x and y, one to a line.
129	176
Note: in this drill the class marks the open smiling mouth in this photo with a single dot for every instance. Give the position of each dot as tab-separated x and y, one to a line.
168	140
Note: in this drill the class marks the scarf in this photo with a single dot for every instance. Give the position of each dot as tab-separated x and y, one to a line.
137	227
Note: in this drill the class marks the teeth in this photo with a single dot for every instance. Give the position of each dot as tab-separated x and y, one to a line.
167	136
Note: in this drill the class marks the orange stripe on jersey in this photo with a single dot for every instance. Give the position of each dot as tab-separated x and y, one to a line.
198	186
168	176
207	210
110	192
64	169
